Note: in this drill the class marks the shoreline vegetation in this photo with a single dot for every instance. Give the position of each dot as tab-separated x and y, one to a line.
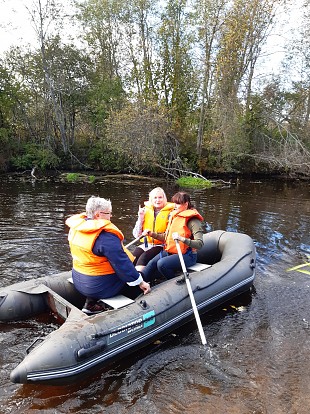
156	89
186	181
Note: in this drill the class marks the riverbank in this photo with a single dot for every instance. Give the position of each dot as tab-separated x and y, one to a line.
91	176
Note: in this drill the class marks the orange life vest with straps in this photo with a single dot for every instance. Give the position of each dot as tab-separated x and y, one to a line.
157	224
178	223
82	236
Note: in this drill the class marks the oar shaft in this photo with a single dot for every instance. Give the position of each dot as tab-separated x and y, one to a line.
194	306
133	242
191	295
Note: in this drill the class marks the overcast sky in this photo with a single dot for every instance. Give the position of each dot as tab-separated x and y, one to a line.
15	24
15	27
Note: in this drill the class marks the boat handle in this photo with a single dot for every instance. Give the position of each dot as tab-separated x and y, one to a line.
28	350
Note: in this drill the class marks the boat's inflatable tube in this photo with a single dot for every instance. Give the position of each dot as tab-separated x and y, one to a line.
26	299
84	343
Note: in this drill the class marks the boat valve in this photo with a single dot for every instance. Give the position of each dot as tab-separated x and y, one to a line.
143	304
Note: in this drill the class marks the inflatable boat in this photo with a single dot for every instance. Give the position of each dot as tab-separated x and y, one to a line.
84	343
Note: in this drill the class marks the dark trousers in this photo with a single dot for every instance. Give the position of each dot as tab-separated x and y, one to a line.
165	264
142	257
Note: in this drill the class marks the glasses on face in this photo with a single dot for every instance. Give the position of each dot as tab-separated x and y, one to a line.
105	212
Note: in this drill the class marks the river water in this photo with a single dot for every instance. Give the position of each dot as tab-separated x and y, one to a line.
257	360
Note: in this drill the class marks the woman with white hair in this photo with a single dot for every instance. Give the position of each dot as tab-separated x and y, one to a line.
102	267
153	215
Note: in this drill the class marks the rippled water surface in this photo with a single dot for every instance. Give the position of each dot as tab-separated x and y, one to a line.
257	359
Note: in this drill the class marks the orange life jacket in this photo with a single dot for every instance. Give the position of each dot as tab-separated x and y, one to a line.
158	224
82	236
178	223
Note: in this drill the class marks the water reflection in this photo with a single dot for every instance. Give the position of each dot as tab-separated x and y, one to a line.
259	343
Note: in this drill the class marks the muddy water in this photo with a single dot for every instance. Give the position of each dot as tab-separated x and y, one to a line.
258	355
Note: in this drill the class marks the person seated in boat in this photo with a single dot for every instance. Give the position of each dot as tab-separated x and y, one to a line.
185	225
153	215
102	266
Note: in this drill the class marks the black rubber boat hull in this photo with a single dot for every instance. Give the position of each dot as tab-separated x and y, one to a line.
84	344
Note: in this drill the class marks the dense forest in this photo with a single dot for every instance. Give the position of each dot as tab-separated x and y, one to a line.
156	87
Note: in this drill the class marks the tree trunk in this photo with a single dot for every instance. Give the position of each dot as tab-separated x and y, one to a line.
57	109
